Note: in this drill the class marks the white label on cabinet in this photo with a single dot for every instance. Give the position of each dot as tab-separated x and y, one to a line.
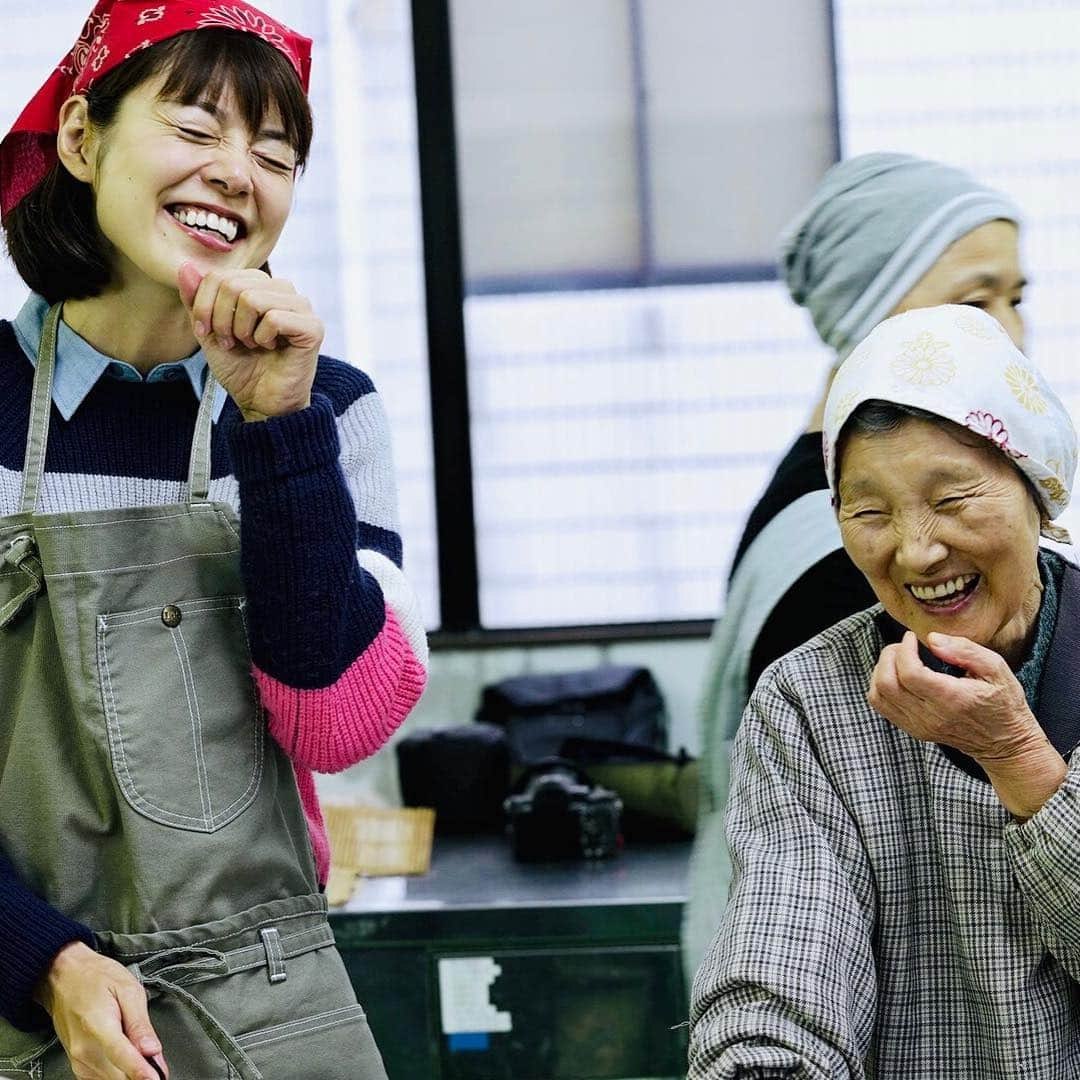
465	996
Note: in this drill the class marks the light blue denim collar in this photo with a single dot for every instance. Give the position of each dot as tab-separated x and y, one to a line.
79	365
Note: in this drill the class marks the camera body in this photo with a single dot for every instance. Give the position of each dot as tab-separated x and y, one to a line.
560	815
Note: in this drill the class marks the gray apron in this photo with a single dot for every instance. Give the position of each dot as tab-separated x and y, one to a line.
140	792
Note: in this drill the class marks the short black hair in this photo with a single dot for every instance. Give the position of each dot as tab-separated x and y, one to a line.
52	234
877	417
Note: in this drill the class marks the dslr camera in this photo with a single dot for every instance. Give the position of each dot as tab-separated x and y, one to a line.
558	814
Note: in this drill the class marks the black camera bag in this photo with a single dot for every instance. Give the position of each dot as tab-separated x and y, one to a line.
539	712
462	773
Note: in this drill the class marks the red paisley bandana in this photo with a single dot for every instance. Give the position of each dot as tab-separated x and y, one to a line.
115	30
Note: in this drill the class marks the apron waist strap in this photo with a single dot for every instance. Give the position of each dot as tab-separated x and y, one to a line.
192	964
170	970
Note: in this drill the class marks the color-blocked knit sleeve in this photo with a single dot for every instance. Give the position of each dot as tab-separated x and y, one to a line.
337	640
1045	856
788	987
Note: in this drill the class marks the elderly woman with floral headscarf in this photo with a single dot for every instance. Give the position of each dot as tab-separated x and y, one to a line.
903	814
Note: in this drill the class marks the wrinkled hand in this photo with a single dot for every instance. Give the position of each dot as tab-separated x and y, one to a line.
984	715
99	1010
259	335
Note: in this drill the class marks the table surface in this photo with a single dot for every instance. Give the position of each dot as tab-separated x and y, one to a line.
480	873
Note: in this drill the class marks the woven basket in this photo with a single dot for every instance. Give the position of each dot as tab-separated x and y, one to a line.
375	842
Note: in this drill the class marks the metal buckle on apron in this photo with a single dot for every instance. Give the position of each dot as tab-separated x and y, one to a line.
193	962
22	554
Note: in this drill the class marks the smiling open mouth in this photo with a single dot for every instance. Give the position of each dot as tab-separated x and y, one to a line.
946	593
194	217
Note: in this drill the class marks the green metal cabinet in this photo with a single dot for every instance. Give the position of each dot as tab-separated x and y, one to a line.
574	970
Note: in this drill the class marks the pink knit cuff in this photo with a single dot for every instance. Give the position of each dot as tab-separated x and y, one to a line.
329	729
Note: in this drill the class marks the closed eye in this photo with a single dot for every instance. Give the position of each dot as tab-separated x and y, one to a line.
274	163
194	133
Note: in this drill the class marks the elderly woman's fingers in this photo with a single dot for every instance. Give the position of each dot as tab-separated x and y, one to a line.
911	673
984	715
915	677
977	660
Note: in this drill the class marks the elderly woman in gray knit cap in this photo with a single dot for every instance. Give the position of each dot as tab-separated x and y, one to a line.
904	815
884	233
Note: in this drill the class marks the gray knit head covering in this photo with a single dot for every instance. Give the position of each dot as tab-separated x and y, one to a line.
874	227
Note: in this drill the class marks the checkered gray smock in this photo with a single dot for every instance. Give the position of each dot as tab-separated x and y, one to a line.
888	918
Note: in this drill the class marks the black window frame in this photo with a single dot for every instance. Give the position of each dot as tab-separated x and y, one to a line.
445	293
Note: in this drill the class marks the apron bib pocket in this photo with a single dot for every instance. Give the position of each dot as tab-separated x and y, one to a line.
184	724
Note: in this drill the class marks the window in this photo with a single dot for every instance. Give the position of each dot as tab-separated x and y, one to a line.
988	85
619	434
635	141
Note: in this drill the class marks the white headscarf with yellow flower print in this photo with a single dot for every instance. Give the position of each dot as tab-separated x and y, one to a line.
958	363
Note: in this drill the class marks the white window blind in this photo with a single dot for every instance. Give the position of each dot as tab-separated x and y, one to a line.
544	107
989	85
739	123
635	139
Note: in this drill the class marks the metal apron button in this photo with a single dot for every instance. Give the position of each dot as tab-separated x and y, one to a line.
171	616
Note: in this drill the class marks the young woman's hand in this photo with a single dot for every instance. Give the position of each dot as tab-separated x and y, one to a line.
100	1013
259	335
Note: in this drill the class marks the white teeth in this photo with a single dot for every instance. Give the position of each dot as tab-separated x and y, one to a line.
945	588
202	219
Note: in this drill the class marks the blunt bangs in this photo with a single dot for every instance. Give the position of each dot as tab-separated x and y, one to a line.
202	65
